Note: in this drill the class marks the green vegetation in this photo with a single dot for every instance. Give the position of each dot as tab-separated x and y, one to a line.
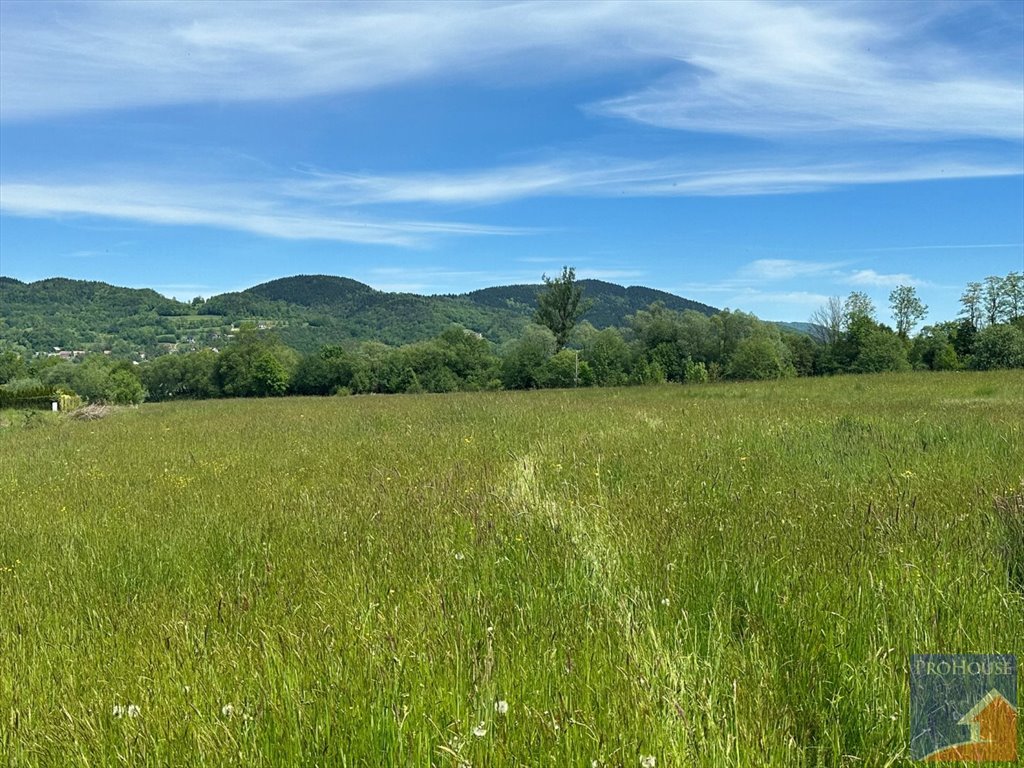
560	305
729	575
656	344
307	312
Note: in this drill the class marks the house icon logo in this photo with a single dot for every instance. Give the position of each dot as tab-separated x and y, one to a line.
963	708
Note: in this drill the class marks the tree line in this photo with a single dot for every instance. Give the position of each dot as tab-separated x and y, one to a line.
556	350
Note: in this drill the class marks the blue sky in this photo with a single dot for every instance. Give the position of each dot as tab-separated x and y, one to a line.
760	156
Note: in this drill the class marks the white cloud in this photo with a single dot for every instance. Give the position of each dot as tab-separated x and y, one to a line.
258	209
777	70
786	269
613	177
754	68
63	58
767	305
318	205
786	296
873	279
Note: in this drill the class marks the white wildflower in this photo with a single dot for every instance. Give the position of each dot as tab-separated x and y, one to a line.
665	601
228	710
501	707
459	556
480	731
647	761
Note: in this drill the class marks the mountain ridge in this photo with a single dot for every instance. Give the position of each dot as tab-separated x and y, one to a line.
306	311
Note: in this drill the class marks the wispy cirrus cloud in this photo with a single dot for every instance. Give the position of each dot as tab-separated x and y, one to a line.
336	206
872	80
62	58
604	177
778	70
748	67
255	208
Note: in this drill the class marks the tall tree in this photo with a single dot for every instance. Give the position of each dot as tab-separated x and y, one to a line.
972	301
828	321
907	309
1013	293
993	300
858	306
560	305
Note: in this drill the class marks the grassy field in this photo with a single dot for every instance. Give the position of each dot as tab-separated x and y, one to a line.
716	575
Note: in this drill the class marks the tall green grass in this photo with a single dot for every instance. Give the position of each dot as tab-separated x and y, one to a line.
727	575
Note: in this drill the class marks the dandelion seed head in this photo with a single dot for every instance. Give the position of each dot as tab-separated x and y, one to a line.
480	731
501	707
228	710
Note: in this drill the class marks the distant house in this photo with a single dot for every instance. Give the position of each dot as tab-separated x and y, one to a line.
67	354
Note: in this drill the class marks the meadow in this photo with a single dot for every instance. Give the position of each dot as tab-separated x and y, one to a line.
705	575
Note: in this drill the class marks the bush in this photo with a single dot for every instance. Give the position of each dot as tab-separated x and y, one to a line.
695	373
525	357
561	371
998	346
880	350
647	372
124	388
759	357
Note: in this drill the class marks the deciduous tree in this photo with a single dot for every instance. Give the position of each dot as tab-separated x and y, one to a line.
560	305
993	299
971	299
907	309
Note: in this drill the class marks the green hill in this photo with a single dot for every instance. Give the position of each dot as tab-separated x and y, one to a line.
306	311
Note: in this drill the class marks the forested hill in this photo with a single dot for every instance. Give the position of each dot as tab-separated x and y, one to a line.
612	303
306	311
